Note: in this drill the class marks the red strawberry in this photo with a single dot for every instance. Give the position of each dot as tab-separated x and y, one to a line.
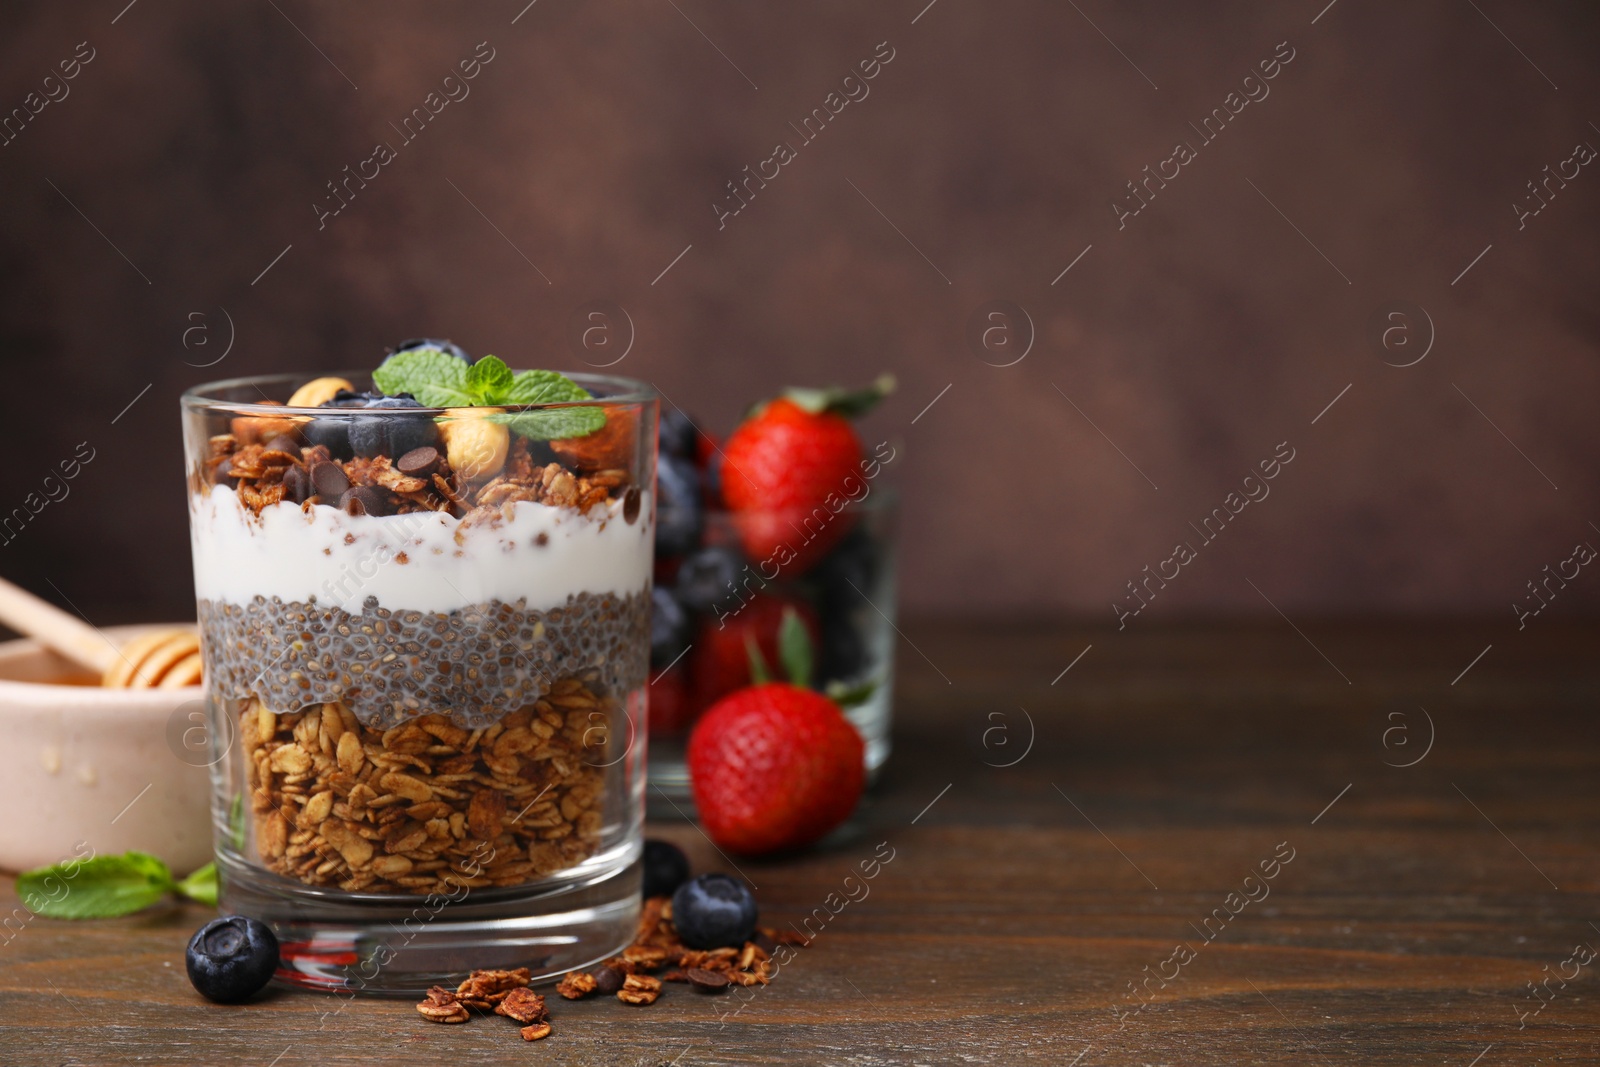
774	767
790	468
671	712
719	661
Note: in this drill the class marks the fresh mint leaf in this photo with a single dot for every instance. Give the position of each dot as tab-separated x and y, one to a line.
794	649
544	387
201	885
436	378
489	380
532	387
759	675
553	424
100	887
440	380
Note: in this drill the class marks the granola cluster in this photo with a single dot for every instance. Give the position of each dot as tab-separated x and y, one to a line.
427	806
283	468
629	976
504	992
632	976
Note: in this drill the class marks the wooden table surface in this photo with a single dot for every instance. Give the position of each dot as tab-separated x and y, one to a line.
1026	904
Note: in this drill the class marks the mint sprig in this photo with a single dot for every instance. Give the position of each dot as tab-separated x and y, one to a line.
440	380
103	887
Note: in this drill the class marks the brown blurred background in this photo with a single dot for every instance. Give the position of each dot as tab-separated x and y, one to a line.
142	207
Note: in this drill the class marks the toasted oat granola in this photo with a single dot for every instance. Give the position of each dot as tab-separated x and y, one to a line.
425	807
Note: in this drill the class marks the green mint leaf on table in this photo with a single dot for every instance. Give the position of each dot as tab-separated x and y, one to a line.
435	378
96	888
794	649
489	380
759	675
201	885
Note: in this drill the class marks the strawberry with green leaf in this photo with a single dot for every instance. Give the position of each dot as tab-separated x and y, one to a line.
775	766
791	469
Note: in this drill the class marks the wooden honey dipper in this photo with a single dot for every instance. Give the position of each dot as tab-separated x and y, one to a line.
161	659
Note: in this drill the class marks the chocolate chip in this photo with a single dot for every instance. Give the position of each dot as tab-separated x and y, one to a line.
284	443
366	500
630	505
296	484
707	981
608	980
329	480
419	462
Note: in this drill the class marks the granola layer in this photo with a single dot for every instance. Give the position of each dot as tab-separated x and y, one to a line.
427	806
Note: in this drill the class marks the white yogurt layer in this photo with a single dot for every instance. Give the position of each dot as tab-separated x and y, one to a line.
342	559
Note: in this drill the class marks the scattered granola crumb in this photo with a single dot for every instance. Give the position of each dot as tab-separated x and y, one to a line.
655	948
523	1005
639	989
577	985
441	1006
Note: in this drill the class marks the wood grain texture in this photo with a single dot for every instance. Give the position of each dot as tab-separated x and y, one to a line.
1018	908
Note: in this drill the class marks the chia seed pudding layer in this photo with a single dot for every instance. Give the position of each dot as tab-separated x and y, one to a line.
473	664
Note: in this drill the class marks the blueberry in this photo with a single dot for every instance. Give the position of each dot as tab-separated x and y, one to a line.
391	435
447	347
670	628
230	959
665	868
713	479
334	434
705	578
679	512
843	653
677	434
713	911
849	572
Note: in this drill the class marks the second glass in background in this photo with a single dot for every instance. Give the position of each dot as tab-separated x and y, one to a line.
711	599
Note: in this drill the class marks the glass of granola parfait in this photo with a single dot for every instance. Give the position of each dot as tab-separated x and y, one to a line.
424	603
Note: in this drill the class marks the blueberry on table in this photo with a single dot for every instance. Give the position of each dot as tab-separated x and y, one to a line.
677	434
665	868
670	628
232	958
710	577
713	911
391	435
679	512
448	347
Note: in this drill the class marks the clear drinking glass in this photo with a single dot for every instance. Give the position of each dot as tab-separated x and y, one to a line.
425	676
844	595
